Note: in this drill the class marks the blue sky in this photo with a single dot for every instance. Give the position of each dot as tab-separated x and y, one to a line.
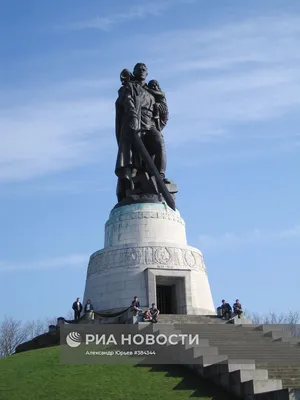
231	71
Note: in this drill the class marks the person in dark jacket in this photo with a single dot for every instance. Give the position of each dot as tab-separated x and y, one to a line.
237	308
154	313
135	305
77	307
89	306
226	310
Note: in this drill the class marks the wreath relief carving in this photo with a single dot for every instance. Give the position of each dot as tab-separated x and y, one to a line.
171	257
162	255
189	258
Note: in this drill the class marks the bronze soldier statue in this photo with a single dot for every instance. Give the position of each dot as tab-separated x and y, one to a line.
139	108
161	114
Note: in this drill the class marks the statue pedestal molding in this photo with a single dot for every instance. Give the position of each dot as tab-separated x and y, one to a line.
146	255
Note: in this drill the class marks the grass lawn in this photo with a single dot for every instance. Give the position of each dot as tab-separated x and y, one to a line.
39	375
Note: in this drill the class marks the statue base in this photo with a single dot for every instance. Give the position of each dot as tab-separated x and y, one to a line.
134	198
146	255
140	195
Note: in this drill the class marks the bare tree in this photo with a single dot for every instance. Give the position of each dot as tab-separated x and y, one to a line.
12	333
70	315
51	321
273	318
35	328
291	319
255	318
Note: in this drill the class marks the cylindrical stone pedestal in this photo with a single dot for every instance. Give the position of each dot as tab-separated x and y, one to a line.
146	255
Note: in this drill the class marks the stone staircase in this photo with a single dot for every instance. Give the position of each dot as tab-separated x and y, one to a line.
189	319
289	374
250	361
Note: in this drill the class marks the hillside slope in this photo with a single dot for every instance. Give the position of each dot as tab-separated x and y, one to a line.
38	375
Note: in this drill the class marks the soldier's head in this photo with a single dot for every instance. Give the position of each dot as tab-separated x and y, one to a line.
125	76
140	72
154	85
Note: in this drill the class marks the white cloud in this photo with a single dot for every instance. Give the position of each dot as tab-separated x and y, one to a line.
50	136
234	74
233	241
215	79
244	155
142	9
69	261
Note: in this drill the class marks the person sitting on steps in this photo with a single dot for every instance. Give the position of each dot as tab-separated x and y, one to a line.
226	310
237	308
147	317
154	312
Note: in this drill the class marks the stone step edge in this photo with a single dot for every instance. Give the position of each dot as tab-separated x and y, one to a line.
250	387
247	388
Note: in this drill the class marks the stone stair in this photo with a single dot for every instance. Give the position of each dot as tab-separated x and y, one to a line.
289	374
250	361
189	319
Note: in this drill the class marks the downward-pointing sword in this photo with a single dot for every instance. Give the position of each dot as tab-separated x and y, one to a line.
152	169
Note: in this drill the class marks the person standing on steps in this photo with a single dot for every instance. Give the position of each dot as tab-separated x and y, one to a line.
89	306
136	308
77	307
89	310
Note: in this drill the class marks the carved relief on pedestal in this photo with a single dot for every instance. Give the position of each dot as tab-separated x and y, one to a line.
189	258
160	256
143	214
132	256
